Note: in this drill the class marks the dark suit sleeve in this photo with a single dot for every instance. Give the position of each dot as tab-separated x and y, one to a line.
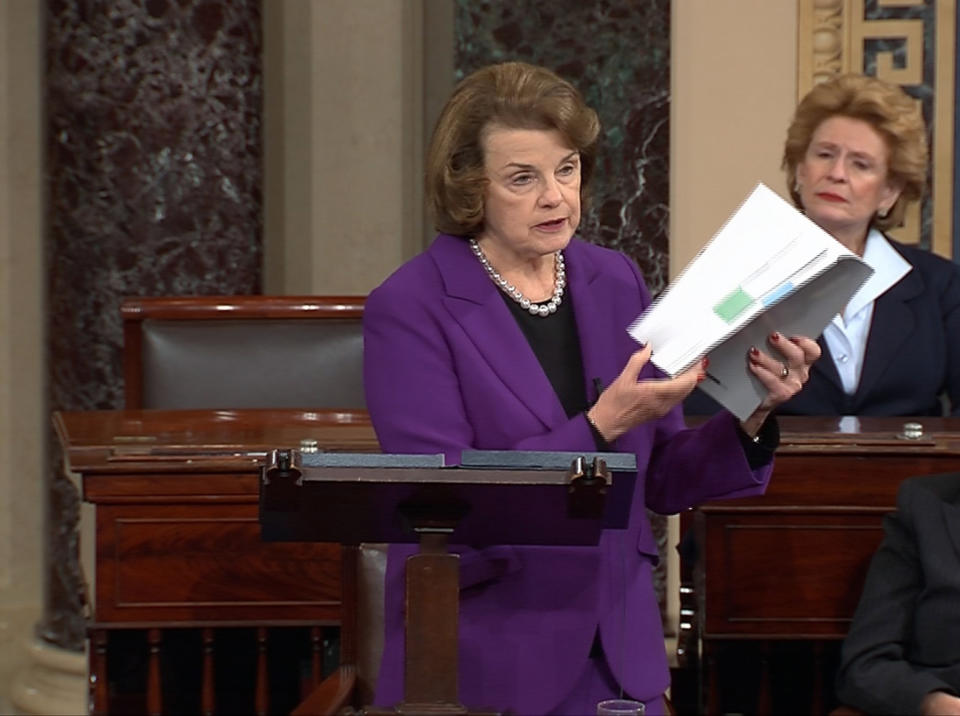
950	305
875	675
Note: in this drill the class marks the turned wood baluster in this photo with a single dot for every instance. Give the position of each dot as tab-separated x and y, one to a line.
154	693
713	681
98	693
207	689
316	656
262	695
765	697
816	705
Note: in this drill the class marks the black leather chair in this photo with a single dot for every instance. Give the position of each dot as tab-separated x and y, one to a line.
243	352
249	352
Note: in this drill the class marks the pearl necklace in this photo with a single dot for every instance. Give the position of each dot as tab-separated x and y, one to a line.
537	309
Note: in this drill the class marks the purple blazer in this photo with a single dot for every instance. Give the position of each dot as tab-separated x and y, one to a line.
447	368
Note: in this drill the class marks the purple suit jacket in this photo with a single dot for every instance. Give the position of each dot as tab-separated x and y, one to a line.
447	368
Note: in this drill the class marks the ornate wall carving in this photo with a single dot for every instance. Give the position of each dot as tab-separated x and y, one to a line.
910	43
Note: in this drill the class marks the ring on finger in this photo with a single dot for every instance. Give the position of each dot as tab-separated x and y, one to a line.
785	371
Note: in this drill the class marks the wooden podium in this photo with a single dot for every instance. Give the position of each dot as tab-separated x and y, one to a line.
178	538
789	566
178	535
491	497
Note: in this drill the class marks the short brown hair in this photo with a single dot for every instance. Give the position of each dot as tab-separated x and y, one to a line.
886	108
515	95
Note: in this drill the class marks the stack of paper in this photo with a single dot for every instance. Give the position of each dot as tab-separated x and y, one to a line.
768	269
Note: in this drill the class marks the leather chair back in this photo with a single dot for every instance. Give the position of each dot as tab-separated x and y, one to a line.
235	352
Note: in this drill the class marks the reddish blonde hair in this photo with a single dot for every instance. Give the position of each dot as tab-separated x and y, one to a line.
885	107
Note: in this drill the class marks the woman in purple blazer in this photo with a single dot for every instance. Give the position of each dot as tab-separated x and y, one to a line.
509	333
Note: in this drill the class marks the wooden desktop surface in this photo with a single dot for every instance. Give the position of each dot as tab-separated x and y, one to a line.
96	438
177	530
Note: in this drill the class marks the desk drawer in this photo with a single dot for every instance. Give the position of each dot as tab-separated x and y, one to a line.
782	574
206	563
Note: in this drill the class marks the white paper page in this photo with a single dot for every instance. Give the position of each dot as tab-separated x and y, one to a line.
764	253
806	312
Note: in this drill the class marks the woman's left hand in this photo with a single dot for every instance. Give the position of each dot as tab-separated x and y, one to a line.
783	377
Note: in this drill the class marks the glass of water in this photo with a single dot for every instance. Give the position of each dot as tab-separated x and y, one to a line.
620	707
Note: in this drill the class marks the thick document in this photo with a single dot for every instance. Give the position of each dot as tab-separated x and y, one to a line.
769	268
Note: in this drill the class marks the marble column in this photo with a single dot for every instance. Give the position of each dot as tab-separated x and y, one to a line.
155	166
153	170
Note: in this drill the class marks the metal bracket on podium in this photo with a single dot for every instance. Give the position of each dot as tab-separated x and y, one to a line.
392	498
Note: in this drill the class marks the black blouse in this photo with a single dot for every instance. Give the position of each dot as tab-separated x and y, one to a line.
556	343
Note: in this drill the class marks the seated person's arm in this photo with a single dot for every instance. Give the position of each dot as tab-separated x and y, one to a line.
952	331
875	674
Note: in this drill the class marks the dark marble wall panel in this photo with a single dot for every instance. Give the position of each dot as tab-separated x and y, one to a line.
154	179
617	52
154	168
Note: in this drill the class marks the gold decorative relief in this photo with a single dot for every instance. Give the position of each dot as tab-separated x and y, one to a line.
820	42
905	32
887	38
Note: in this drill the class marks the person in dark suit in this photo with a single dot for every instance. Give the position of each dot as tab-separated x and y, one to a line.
510	333
902	653
855	158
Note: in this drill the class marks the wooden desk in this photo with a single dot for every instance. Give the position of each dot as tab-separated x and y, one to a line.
177	533
790	565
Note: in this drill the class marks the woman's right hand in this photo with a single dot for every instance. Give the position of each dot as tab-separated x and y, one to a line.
628	401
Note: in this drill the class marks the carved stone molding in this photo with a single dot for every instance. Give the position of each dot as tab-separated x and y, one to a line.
52	681
907	42
820	44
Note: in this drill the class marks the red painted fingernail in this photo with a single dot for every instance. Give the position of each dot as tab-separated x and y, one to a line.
754	352
705	363
775	336
702	377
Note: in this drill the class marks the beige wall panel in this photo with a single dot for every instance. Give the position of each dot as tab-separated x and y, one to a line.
344	142
22	404
734	89
23	416
360	173
287	215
